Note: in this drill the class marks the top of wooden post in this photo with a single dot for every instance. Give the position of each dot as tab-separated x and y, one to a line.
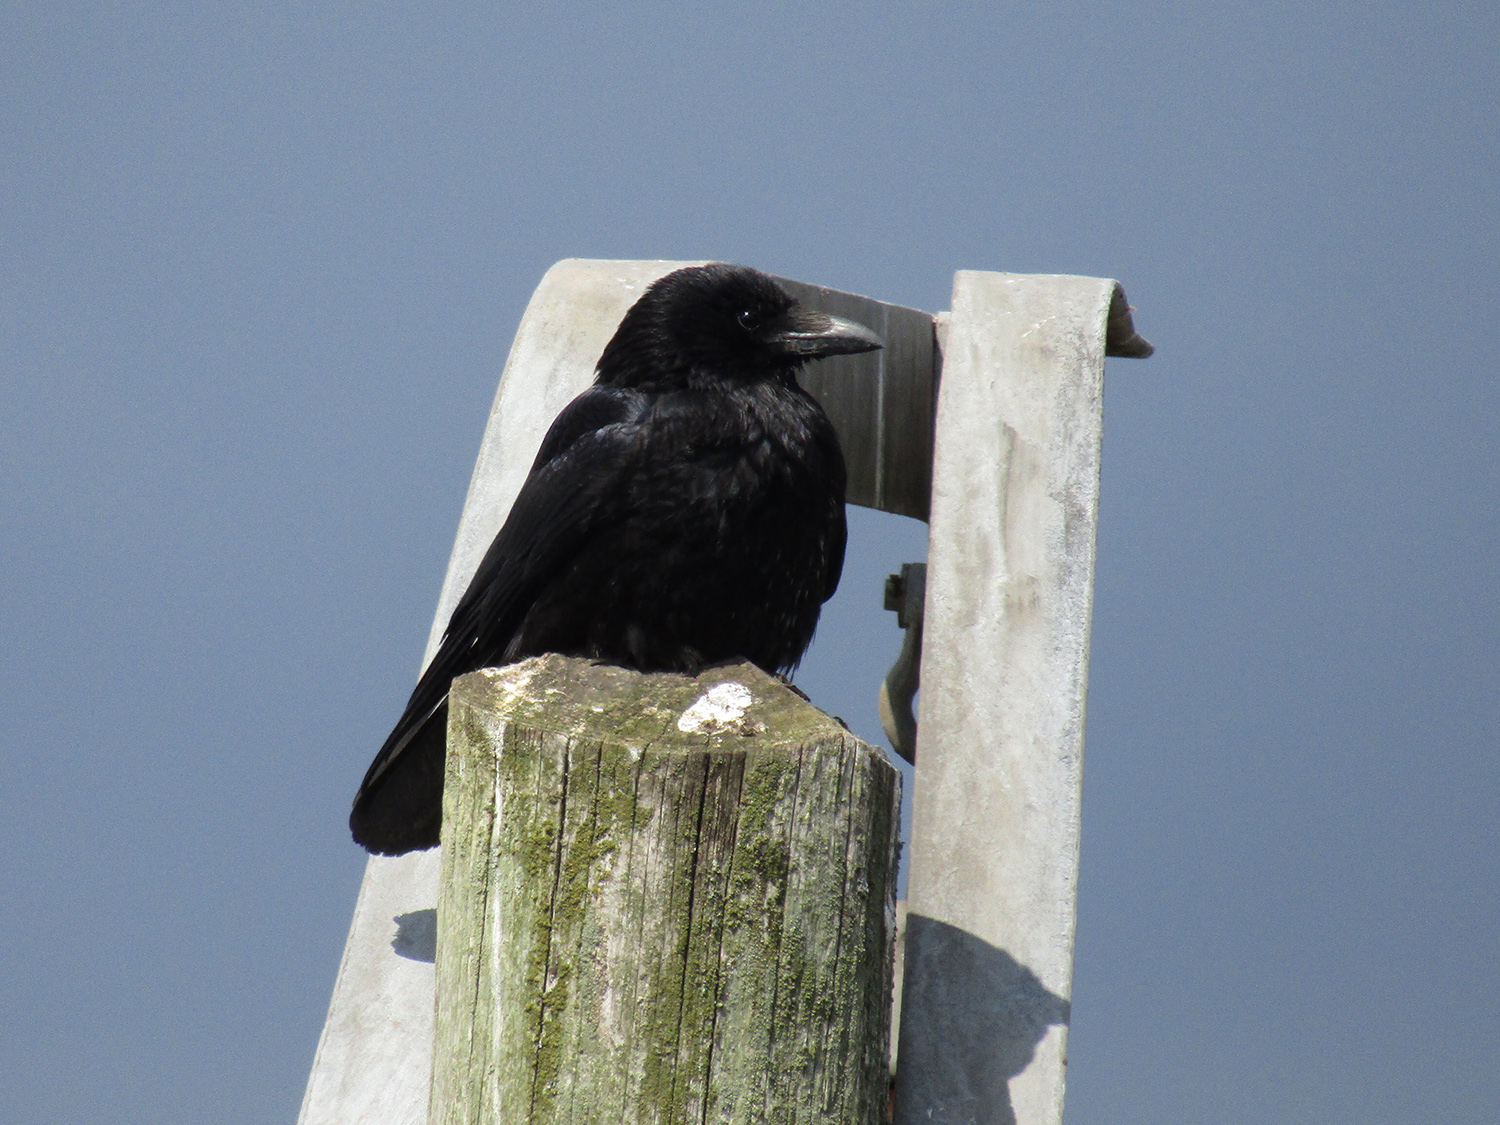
723	704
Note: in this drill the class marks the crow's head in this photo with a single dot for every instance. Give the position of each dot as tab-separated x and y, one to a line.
722	322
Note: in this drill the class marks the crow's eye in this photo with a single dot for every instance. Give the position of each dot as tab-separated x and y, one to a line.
750	320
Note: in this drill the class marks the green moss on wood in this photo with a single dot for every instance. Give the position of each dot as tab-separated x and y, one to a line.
748	979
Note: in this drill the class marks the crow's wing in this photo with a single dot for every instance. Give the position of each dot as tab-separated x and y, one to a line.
833	558
577	469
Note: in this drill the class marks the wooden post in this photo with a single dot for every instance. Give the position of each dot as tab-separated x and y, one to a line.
664	899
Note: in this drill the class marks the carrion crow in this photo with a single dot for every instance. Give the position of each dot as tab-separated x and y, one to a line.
686	509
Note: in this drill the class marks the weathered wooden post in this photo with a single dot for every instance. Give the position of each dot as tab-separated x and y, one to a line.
664	899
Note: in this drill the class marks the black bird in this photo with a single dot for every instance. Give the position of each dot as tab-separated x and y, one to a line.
687	508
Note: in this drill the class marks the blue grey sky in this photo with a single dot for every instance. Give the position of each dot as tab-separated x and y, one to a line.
260	266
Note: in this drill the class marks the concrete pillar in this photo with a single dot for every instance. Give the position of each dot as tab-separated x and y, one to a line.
994	853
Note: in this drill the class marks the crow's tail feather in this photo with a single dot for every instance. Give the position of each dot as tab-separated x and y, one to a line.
399	808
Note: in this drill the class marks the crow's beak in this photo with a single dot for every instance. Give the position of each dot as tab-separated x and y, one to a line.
813	335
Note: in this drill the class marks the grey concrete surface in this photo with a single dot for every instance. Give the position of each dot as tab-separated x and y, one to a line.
994	851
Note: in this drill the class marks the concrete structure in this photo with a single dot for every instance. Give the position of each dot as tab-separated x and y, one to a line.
1013	482
1010	566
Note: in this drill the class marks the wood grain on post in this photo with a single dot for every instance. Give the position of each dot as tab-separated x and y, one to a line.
664	899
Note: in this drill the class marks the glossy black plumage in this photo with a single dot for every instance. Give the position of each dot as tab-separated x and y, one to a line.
688	508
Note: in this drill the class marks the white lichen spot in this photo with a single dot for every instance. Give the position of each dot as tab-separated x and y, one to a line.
722	705
511	680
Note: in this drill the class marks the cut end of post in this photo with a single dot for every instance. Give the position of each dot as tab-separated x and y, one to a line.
588	699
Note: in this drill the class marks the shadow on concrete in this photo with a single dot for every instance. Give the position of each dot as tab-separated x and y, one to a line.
416	935
971	1019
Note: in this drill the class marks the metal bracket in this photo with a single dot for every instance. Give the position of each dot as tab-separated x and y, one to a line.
906	594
